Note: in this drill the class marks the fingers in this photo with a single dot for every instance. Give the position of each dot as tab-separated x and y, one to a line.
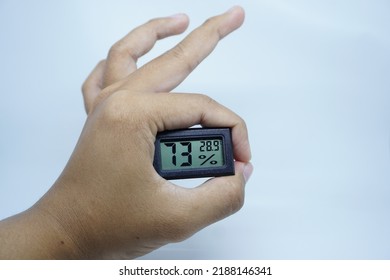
165	72
169	70
123	55
174	111
93	85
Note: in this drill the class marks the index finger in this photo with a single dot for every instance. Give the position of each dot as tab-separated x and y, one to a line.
175	111
168	70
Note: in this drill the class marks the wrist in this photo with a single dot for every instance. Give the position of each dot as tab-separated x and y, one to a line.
34	234
60	211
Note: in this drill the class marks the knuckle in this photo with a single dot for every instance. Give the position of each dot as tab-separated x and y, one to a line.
112	109
209	22
153	22
208	102
205	99
212	25
118	50
181	54
156	28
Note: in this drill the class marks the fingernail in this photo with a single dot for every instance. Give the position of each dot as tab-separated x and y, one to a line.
248	170
180	15
233	8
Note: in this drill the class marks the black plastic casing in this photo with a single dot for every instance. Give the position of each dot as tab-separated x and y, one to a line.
192	134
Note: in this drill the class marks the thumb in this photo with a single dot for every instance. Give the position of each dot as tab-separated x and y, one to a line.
219	197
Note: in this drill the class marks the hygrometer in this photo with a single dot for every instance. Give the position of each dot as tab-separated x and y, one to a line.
194	153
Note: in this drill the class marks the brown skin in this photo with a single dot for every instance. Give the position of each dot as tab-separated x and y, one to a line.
109	202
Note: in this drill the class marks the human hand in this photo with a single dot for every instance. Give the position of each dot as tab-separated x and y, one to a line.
109	202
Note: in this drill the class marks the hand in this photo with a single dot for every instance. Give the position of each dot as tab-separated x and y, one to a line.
109	202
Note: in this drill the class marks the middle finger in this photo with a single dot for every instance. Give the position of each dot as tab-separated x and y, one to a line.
123	55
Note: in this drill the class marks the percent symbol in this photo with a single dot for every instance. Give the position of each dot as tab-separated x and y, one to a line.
213	162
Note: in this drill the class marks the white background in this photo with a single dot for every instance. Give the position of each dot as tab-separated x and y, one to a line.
311	79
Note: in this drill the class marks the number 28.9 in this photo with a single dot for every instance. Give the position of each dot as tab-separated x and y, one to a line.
210	145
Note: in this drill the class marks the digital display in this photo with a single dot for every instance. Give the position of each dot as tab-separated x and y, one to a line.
203	153
194	153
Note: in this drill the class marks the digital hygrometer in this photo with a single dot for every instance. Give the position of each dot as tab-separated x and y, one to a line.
193	153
